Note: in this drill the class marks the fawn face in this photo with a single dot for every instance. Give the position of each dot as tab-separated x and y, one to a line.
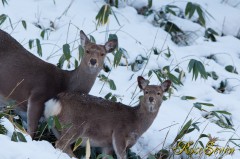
153	94
94	54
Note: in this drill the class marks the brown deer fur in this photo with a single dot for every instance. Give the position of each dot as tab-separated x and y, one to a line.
109	125
24	77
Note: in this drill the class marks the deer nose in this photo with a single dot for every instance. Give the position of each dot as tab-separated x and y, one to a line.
93	61
151	99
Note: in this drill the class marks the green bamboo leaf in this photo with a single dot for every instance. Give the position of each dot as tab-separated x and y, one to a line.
169	10
75	63
112	37
61	61
3	17
103	15
203	135
112	85
4	2
114	99
14	137
231	69
195	72
198	106
174	79
191	65
188	8
215	114
149	3
117	57
172	6
20	128
192	10
3	130
24	24
108	95
223	112
77	143
200	142
206	104
21	137
42	127
43	33
150	73
57	123
107	13
197	68
228	121
201	16
103	78
201	69
188	98
30	43
158	74
196	126
116	3
183	130
190	130
66	51
210	30
214	75
39	47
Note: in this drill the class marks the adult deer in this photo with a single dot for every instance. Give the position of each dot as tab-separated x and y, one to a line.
32	81
109	125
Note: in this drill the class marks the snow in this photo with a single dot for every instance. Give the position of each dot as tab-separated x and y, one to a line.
30	149
137	35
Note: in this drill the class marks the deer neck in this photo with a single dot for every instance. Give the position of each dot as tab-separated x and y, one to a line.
145	118
81	79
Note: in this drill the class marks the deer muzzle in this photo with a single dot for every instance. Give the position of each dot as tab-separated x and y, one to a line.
93	62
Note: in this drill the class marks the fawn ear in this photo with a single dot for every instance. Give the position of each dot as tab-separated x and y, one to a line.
84	39
142	83
111	45
165	85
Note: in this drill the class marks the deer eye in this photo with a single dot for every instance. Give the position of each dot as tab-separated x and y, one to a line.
146	92
158	93
87	51
102	54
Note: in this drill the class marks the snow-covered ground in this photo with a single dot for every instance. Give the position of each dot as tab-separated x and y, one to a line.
137	35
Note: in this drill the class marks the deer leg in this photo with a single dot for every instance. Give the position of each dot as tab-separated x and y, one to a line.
119	145
65	140
65	147
34	113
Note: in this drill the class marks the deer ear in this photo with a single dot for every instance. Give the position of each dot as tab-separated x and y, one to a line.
142	83
165	85
84	39
111	45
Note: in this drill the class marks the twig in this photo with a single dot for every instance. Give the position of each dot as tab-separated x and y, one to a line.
66	10
168	127
14	88
146	63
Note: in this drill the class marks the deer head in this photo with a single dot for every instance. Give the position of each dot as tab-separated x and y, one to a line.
153	94
94	54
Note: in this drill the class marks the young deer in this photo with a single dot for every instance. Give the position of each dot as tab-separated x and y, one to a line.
109	125
32	81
